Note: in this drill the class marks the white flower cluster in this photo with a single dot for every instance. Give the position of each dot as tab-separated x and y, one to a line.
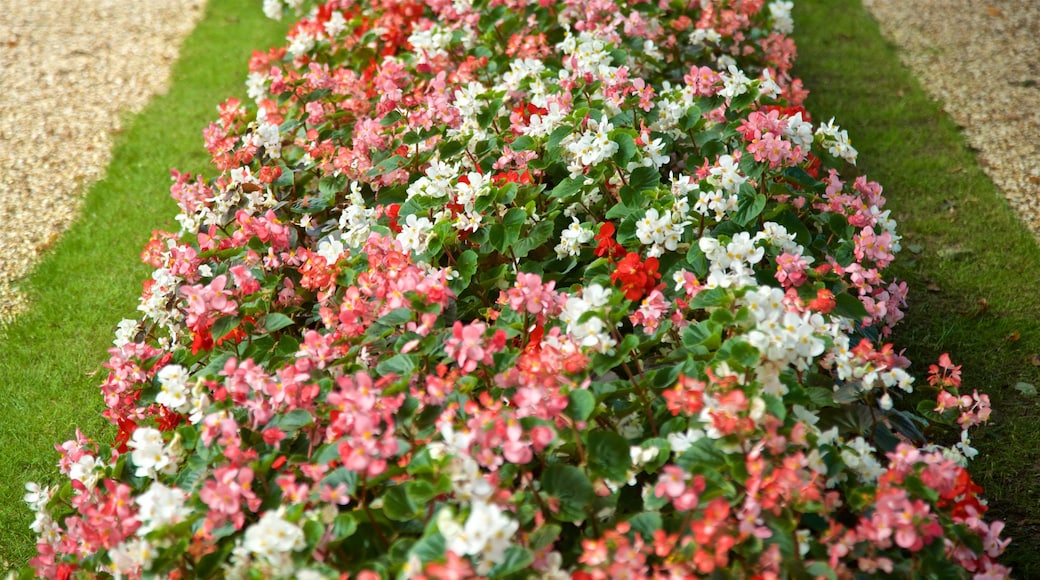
430	43
836	141
469	101
798	132
730	265
780	12
486	535
783	336
415	234
588	331
356	220
177	395
273	536
671	105
663	231
586	53
160	506
590	147
43	525
572	238
151	455
266	135
726	174
734	83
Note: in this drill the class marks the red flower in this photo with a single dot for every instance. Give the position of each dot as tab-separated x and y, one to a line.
637	278
606	246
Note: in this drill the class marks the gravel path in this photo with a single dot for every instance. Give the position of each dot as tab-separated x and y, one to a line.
69	70
982	60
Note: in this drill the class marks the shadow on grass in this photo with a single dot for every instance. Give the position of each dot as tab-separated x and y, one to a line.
972	267
50	358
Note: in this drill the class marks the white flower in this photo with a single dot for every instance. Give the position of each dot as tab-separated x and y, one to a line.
132	556
272	536
273	9
160	506
430	43
36	496
735	83
680	442
330	248
301	44
572	238
268	137
836	140
86	470
335	24
780	12
487	534
590	147
798	131
125	332
726	174
415	234
148	453
173	388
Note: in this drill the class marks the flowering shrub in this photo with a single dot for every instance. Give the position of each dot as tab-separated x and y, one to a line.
512	289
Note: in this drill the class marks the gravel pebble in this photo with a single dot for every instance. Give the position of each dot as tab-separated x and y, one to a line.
69	71
982	60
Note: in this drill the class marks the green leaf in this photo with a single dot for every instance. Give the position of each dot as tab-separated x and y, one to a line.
276	321
581	403
646	524
343	527
571	486
332	185
225	325
210	563
399	364
644	178
420	491
538	235
845	253
710	298
626	147
849	306
544	536
466	264
522	143
697	261
608	455
749	207
398	506
313	531
294	420
396	317
567	187
740	351
705	332
516	559
429	548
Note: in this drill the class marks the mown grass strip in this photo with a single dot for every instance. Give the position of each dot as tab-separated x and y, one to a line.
50	358
972	267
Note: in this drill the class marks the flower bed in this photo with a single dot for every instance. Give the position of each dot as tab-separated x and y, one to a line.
505	289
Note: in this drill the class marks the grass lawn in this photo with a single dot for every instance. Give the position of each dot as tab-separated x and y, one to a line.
50	359
973	269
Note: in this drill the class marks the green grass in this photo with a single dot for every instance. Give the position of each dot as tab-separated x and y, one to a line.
50	358
973	281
